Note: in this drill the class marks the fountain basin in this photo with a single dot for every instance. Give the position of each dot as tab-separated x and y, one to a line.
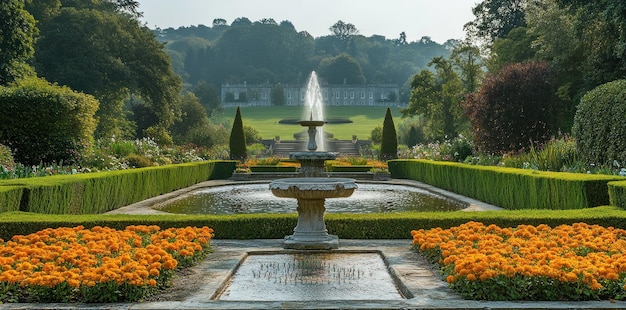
313	188
311	233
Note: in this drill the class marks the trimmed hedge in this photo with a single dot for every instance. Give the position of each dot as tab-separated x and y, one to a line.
346	226
44	122
105	191
353	168
273	168
617	193
510	188
10	197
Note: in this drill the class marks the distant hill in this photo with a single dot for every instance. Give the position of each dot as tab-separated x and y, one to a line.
268	52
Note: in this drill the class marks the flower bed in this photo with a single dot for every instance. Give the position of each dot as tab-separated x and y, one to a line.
568	262
96	265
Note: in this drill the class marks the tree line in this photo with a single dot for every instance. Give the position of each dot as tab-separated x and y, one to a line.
265	51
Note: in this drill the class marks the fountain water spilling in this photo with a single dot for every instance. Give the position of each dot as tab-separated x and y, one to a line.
312	190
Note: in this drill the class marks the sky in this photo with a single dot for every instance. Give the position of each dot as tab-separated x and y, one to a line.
440	20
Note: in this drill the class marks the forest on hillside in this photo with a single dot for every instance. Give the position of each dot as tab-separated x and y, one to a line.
265	51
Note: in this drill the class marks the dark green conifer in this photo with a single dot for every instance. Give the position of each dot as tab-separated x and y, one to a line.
389	142
237	144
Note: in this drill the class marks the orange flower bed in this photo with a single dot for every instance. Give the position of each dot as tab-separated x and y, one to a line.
568	262
96	265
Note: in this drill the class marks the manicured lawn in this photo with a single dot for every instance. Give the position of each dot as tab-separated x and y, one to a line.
265	120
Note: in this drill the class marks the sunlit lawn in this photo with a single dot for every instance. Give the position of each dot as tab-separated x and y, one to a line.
265	120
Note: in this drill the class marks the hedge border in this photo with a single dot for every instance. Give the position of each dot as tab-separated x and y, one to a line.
510	188
100	192
346	226
617	194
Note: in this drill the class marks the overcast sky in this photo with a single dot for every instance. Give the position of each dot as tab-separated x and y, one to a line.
439	19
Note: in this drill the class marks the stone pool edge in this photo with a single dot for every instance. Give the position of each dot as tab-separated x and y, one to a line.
149	206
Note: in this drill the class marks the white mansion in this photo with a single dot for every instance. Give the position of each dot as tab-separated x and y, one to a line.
334	95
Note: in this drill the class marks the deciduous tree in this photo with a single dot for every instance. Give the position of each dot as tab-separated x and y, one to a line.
17	36
513	109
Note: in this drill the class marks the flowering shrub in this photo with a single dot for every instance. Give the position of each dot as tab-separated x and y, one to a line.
457	149
96	265
568	262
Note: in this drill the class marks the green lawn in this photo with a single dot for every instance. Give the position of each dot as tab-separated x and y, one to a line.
265	120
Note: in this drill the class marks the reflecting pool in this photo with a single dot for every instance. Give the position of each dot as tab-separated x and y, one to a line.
257	198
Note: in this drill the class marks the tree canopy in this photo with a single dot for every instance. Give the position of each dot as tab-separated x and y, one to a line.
100	48
17	37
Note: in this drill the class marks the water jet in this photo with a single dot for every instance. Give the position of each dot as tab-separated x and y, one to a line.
312	190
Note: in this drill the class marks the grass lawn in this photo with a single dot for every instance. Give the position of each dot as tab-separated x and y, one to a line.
265	120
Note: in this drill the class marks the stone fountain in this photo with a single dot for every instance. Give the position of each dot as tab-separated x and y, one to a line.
312	189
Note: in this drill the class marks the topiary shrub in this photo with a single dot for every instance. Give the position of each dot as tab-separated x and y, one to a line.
42	122
389	142
6	157
238	139
513	109
599	124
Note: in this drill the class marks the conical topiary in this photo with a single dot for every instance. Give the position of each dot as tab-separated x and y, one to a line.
237	143
389	142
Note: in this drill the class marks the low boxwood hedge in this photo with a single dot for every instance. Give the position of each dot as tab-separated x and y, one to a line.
353	168
346	226
272	168
617	193
104	191
510	188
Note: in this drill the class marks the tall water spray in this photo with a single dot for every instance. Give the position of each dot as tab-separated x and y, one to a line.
314	103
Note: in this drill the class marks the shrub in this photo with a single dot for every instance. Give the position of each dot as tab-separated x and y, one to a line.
238	139
42	122
599	124
457	149
556	155
389	142
376	135
138	161
6	158
513	109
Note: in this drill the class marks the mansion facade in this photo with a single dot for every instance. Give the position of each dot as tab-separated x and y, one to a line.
233	95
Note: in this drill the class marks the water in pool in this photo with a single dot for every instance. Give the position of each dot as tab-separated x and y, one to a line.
257	198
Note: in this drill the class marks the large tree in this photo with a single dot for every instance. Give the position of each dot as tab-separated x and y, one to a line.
437	96
343	31
100	48
495	19
17	35
513	109
342	69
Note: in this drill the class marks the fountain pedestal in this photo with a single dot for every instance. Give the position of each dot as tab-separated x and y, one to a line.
310	232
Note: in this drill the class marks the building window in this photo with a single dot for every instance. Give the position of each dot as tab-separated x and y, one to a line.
345	95
362	95
352	95
371	94
336	95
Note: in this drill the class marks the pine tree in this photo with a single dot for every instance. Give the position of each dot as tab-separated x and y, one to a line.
238	139
389	143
